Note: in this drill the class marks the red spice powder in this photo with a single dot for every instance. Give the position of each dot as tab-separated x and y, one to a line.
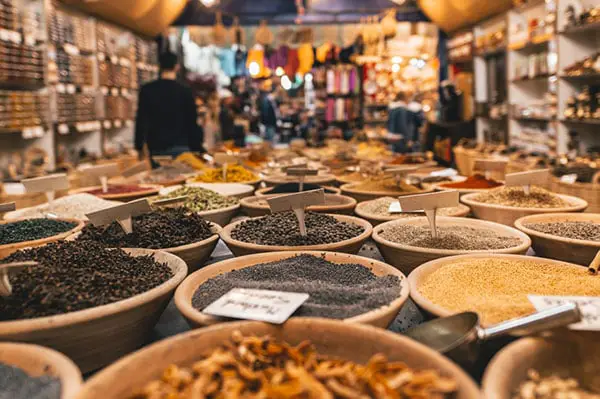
475	181
118	189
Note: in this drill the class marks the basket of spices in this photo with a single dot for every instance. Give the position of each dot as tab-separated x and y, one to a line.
281	232
570	237
472	184
174	230
289	188
378	211
341	286
387	187
92	303
120	192
34	372
74	206
563	365
304	358
507	204
338	204
495	286
208	204
408	243
233	174
23	233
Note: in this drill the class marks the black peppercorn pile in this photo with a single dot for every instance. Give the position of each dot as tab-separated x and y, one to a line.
77	275
32	229
162	228
337	291
282	229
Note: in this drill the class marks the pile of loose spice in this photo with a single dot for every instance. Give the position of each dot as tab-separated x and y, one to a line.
388	186
476	181
77	275
587	231
337	291
260	367
32	229
235	174
460	238
497	289
381	206
161	228
282	229
516	197
201	199
552	387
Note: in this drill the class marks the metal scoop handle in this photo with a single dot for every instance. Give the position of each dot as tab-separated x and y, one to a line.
546	319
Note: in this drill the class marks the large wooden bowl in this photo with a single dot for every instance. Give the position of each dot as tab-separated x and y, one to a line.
237	190
333	338
365	195
509	214
573	354
254	183
406	257
95	337
462	191
261	192
555	247
274	180
221	216
24	212
196	254
339	204
351	246
381	317
148	191
376	219
38	361
8	249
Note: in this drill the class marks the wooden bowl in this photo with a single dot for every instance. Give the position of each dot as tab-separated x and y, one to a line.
509	214
331	337
366	195
322	179
28	213
261	192
226	189
351	246
149	190
376	219
95	337
339	204
196	253
38	361
139	177
560	248
462	191
572	354
418	276
221	216
381	317
406	257
7	249
254	183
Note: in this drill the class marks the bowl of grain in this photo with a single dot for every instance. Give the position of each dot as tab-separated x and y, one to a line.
495	286
476	183
408	243
563	364
339	204
570	237
121	192
47	370
280	232
344	342
377	211
74	206
341	286
373	189
237	190
507	204
290	188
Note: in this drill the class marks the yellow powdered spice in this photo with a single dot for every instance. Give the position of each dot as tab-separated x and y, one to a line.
497	289
235	174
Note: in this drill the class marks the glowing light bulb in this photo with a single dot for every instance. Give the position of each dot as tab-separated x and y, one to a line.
254	68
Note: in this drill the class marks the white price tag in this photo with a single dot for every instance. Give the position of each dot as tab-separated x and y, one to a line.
395	207
589	307
298	203
7	207
120	213
106	170
261	305
430	203
570	179
527	179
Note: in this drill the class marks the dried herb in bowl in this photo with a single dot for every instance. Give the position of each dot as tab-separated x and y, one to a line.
32	229
201	199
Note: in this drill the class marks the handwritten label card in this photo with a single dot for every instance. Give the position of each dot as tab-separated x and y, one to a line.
430	203
298	203
8	269
588	306
47	184
527	179
170	201
224	160
120	213
7	207
102	172
301	173
261	305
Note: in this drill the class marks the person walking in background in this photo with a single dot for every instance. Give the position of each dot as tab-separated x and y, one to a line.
166	120
404	121
269	114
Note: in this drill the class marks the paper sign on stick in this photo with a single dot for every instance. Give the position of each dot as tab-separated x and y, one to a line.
490	165
224	160
294	166
297	203
527	179
139	167
262	305
170	201
103	172
430	203
47	184
7	207
120	213
301	173
6	269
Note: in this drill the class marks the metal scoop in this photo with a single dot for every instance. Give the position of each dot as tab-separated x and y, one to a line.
459	336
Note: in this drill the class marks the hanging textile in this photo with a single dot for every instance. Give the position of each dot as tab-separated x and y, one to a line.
292	64
306	58
227	60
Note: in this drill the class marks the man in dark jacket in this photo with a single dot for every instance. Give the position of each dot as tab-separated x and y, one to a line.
167	117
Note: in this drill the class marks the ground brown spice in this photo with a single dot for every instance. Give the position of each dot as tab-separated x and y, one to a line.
516	197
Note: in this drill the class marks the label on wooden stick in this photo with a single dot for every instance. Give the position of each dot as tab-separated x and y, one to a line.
120	213
297	203
170	201
8	269
47	184
224	158
301	172
106	170
527	179
430	203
